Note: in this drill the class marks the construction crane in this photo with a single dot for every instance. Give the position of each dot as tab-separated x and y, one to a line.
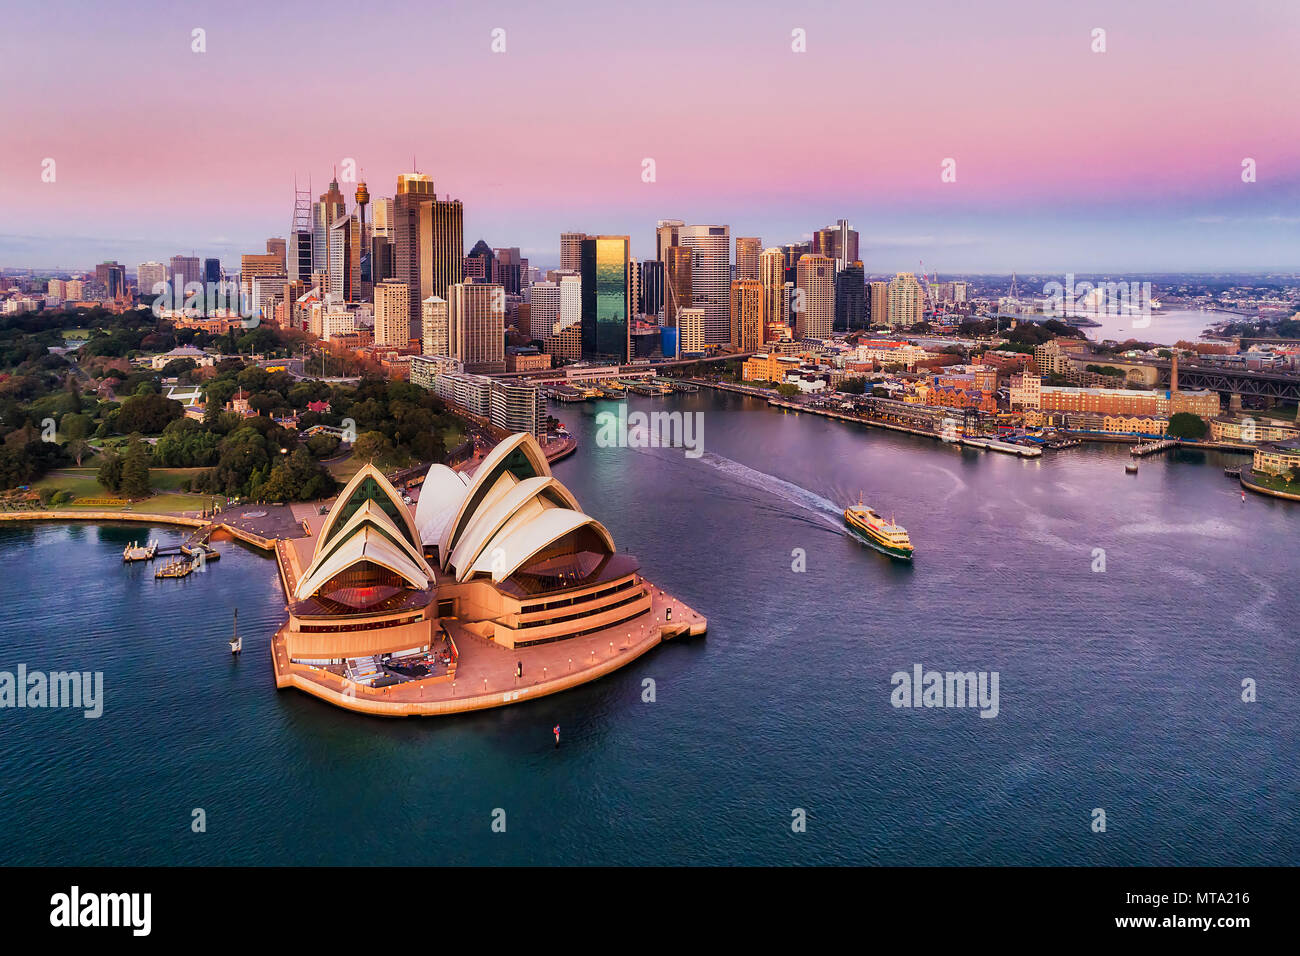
925	289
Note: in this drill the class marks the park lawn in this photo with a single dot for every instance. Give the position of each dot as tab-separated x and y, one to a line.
1276	482
82	483
1284	413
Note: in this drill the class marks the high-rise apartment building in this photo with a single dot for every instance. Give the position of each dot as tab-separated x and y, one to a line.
393	313
878	302
748	249
476	318
690	331
747	314
711	278
606	305
814	297
435	327
906	301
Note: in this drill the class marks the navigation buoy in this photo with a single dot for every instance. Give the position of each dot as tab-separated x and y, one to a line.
556	730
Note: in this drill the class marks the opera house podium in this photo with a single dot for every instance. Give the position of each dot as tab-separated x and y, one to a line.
437	611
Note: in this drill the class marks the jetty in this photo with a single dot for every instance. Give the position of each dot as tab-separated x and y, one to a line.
1152	448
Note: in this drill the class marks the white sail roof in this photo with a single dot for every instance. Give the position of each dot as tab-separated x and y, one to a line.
523	502
368	544
441	496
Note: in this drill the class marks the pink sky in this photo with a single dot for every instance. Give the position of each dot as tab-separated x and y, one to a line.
162	150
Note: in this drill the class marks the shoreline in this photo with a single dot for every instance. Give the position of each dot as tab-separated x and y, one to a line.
1092	437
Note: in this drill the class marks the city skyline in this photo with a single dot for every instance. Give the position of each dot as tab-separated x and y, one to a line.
1049	175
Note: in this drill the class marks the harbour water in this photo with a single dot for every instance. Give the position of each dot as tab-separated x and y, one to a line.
1119	689
1162	326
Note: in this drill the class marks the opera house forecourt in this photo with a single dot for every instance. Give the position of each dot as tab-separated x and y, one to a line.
497	588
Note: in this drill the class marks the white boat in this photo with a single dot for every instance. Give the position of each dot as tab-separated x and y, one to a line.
236	642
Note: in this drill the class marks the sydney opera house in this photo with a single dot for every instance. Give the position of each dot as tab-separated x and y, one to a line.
496	587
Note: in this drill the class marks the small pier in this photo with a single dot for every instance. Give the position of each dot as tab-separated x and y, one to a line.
1152	448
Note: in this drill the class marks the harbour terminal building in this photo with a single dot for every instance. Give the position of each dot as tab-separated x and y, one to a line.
506	559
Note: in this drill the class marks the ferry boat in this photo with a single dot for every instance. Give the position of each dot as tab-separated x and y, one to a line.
883	535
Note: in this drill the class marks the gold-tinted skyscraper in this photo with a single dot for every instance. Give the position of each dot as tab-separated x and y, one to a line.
747	314
747	250
413	191
771	273
441	247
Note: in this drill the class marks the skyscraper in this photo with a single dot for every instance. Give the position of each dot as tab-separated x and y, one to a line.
476	314
634	286
211	270
815	297
392	313
325	212
711	278
606	305
677	282
747	314
111	276
838	242
747	252
771	273
147	275
428	240
186	269
413	191
441	247
652	289
850	298
667	233
571	251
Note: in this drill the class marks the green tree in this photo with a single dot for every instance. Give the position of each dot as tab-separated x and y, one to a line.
110	470
1186	425
135	470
